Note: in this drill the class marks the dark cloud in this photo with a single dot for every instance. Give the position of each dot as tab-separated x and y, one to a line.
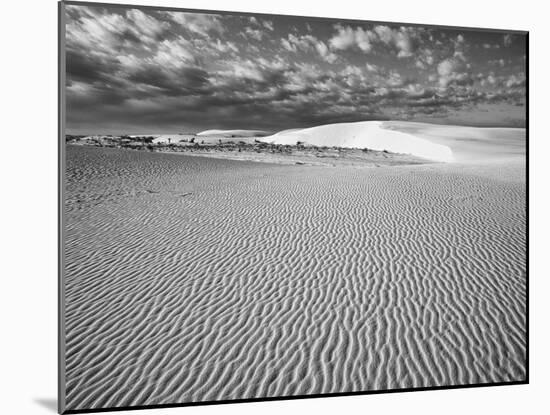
185	80
86	68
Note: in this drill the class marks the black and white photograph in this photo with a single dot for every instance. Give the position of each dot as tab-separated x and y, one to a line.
260	207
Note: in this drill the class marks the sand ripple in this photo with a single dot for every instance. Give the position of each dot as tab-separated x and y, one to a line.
191	279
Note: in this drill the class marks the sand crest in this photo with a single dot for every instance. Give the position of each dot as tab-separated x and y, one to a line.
233	133
365	134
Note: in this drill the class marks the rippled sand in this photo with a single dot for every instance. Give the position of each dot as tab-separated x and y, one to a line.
199	279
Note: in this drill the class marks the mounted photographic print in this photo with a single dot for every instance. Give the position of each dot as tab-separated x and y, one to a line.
258	207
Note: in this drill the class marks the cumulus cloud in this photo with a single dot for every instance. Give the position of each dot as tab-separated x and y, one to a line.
201	24
145	24
261	23
293	43
308	42
344	39
288	45
324	52
515	81
507	40
174	53
254	34
104	33
452	72
347	37
395	79
225	47
372	68
131	68
490	46
247	70
402	39
404	44
497	62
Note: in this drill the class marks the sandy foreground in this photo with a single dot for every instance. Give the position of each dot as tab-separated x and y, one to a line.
200	279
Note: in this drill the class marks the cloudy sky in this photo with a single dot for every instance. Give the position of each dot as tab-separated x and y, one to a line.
145	71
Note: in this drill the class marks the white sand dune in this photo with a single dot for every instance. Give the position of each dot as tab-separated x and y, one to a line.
430	141
195	279
233	133
469	144
365	134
